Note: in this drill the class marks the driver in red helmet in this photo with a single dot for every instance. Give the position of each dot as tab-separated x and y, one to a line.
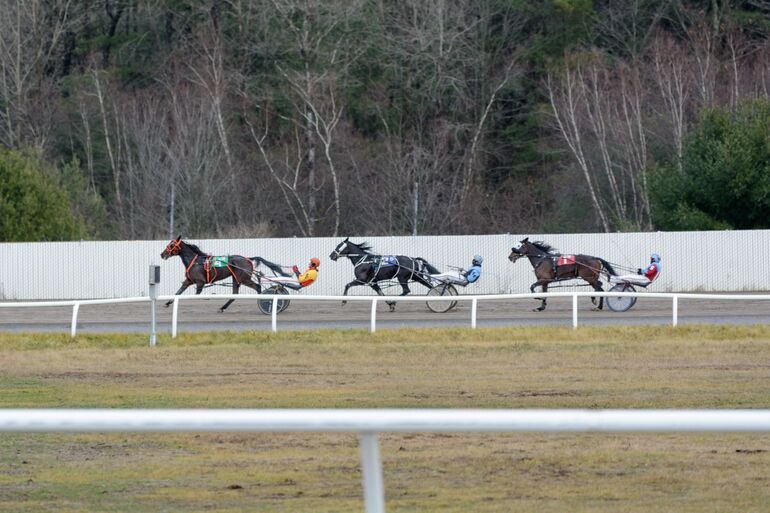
308	277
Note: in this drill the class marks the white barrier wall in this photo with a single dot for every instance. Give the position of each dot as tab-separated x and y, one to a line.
691	261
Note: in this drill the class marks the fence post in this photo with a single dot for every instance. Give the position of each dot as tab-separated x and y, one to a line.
74	327
174	316
574	311
474	305
373	325
371	470
675	311
274	314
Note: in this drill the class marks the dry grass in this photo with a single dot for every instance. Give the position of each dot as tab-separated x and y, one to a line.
693	367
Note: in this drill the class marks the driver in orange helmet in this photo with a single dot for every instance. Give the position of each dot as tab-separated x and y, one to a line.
309	276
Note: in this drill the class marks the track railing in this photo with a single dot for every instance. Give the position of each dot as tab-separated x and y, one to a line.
374	300
368	423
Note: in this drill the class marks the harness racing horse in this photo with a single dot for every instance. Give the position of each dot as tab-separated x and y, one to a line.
203	269
550	267
370	268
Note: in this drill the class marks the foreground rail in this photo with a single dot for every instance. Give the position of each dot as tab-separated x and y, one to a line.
368	423
474	300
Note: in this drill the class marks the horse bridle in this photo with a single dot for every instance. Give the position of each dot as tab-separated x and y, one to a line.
173	247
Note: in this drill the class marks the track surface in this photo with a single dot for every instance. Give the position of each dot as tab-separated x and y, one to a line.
302	315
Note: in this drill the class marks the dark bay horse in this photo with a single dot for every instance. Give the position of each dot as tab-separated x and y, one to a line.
370	268
548	268
203	269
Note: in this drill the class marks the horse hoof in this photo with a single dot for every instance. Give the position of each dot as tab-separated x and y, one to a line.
221	310
538	309
344	303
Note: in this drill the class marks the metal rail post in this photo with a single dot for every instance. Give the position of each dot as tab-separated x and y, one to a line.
574	312
274	315
371	470
675	311
74	327
373	325
174	316
154	280
474	305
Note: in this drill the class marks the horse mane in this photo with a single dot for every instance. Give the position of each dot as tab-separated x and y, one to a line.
196	249
542	246
364	246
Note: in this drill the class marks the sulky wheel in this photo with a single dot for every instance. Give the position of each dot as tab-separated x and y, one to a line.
621	304
444	289
266	305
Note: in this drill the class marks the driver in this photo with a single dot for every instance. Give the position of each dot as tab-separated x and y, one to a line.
308	277
463	276
473	273
643	276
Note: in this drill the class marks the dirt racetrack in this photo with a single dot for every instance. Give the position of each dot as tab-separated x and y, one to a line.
244	315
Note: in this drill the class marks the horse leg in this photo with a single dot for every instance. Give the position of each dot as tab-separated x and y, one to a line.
542	305
185	285
345	292
236	288
378	290
252	285
597	285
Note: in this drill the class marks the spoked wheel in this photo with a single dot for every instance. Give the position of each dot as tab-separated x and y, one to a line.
621	304
444	289
266	305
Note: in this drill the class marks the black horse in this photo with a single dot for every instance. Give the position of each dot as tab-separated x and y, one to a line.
549	267
203	269
370	268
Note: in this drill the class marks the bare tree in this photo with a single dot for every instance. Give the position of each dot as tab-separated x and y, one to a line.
30	31
599	112
674	80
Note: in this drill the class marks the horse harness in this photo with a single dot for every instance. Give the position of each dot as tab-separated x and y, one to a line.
379	261
210	265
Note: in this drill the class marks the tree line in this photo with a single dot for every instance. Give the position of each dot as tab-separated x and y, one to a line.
140	119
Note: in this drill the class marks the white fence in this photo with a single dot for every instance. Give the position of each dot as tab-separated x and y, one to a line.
692	261
367	423
474	300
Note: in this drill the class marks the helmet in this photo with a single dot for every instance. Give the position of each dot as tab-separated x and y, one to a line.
314	262
655	258
477	260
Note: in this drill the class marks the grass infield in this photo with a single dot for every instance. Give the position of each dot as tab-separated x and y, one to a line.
641	367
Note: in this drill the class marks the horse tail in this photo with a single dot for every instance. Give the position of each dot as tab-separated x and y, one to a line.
274	267
427	267
607	266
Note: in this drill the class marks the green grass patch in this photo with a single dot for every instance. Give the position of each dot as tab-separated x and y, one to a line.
617	367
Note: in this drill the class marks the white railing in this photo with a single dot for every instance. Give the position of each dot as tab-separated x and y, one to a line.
374	300
368	423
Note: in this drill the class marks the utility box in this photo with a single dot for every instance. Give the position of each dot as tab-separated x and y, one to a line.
154	274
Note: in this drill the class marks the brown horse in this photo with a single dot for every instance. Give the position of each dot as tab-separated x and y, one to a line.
550	267
203	269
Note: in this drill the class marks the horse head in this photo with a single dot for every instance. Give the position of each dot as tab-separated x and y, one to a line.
341	249
350	249
172	248
519	252
515	255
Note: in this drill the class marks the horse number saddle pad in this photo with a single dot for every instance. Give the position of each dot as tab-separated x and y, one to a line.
388	260
566	260
220	261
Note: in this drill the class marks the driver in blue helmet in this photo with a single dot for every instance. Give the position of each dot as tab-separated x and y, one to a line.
643	276
651	271
473	273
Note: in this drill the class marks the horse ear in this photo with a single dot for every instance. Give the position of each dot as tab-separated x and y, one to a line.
346	239
526	239
178	237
